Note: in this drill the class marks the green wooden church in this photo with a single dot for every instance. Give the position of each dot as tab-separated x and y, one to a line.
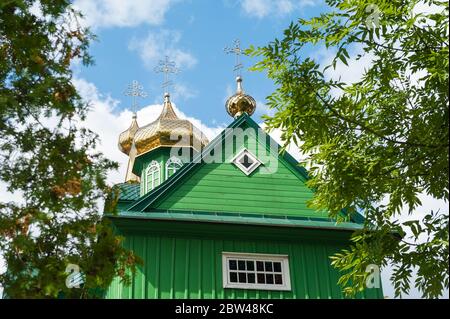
226	218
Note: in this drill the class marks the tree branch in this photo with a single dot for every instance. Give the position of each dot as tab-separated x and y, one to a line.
374	132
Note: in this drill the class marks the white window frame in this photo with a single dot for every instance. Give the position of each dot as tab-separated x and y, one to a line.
283	259
174	161
251	168
156	167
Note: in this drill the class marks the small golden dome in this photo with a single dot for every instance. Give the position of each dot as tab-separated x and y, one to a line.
126	137
168	130
240	102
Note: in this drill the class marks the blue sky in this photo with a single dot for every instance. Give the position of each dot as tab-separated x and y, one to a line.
193	33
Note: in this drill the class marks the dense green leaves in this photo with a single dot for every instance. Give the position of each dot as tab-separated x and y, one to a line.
49	159
379	142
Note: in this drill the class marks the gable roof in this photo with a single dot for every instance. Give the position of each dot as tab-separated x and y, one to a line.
146	202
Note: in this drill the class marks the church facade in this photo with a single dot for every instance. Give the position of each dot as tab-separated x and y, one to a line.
226	218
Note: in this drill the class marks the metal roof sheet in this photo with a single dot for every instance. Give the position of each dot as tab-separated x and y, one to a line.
237	218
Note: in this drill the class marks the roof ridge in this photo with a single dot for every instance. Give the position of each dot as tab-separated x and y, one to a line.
197	160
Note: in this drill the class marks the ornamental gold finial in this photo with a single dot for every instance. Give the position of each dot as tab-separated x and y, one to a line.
135	90
167	67
239	103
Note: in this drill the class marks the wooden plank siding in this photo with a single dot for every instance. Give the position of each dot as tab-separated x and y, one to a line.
222	187
191	267
182	252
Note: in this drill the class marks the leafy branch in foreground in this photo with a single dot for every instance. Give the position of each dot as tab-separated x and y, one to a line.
49	159
378	143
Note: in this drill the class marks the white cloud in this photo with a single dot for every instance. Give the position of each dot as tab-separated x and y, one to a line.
182	92
119	13
258	8
263	8
428	204
102	120
427	9
292	149
284	7
156	46
229	91
263	109
351	73
6	196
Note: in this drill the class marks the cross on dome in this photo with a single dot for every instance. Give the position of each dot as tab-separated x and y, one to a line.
237	51
135	90
239	103
167	67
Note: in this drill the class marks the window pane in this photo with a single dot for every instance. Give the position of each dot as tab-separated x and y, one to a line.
259	266
261	279
247	271
269	279
277	266
246	161
278	280
251	278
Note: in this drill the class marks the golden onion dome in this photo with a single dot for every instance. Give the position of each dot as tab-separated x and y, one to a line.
126	137
168	130
240	102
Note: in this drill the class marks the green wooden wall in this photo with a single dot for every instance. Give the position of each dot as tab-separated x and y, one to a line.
189	264
223	187
183	259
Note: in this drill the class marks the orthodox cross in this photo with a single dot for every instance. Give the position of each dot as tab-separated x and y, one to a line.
135	90
236	49
167	67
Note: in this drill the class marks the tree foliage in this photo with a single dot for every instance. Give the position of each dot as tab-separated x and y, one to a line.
375	144
49	159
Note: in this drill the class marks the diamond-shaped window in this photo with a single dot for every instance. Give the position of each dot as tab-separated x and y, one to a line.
246	161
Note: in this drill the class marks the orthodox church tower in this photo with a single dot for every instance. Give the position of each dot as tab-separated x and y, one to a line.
151	148
126	139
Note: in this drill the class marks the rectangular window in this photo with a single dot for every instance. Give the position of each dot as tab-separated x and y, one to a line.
255	271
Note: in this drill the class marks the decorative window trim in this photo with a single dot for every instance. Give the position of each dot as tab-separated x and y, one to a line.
246	170
282	260
157	167
173	161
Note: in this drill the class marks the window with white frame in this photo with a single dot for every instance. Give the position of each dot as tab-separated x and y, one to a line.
256	271
246	161
152	176
172	165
